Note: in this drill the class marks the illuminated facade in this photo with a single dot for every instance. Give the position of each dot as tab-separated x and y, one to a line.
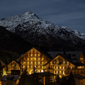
38	61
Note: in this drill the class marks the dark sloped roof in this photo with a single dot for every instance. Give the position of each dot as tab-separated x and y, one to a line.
44	52
66	56
79	76
72	53
10	78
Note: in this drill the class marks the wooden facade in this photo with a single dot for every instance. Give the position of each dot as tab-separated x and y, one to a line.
36	61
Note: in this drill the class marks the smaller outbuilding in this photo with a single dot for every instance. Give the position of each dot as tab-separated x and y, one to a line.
10	80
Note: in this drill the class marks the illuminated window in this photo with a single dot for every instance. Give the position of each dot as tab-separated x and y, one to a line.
71	67
42	62
31	59
56	72
63	67
64	62
35	66
51	63
60	67
35	62
31	54
23	66
27	58
41	70
32	51
63	72
60	72
60	76
38	58
27	66
38	62
31	62
57	61
42	67
38	66
39	54
35	54
57	67
24	62
42	58
31	66
34	58
67	62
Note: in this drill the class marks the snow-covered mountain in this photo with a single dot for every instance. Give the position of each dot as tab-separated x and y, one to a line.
38	31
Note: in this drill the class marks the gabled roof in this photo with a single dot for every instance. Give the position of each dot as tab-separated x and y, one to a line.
66	56
43	52
70	53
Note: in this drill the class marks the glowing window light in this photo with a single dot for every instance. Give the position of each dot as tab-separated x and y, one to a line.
38	66
27	66
30	73
38	62
63	67
71	67
35	62
42	58
35	54
31	51
27	58
60	76
39	54
64	62
34	58
41	70
57	67
60	67
67	62
31	59
31	66
63	72
60	72
42	62
56	72
42	67
23	66
31	54
38	58
58	62
31	62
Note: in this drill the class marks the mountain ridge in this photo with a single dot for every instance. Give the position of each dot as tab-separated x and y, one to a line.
41	33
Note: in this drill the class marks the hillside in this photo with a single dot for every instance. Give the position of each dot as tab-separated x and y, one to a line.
11	45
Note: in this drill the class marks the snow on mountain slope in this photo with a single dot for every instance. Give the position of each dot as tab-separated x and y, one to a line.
29	22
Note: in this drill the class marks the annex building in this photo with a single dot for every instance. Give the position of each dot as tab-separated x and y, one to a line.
57	62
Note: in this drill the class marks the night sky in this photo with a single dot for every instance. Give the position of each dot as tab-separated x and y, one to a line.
69	13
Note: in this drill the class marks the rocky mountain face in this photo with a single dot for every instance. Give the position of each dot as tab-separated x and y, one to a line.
11	45
44	34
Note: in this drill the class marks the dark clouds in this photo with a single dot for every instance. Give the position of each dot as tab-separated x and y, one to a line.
70	13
